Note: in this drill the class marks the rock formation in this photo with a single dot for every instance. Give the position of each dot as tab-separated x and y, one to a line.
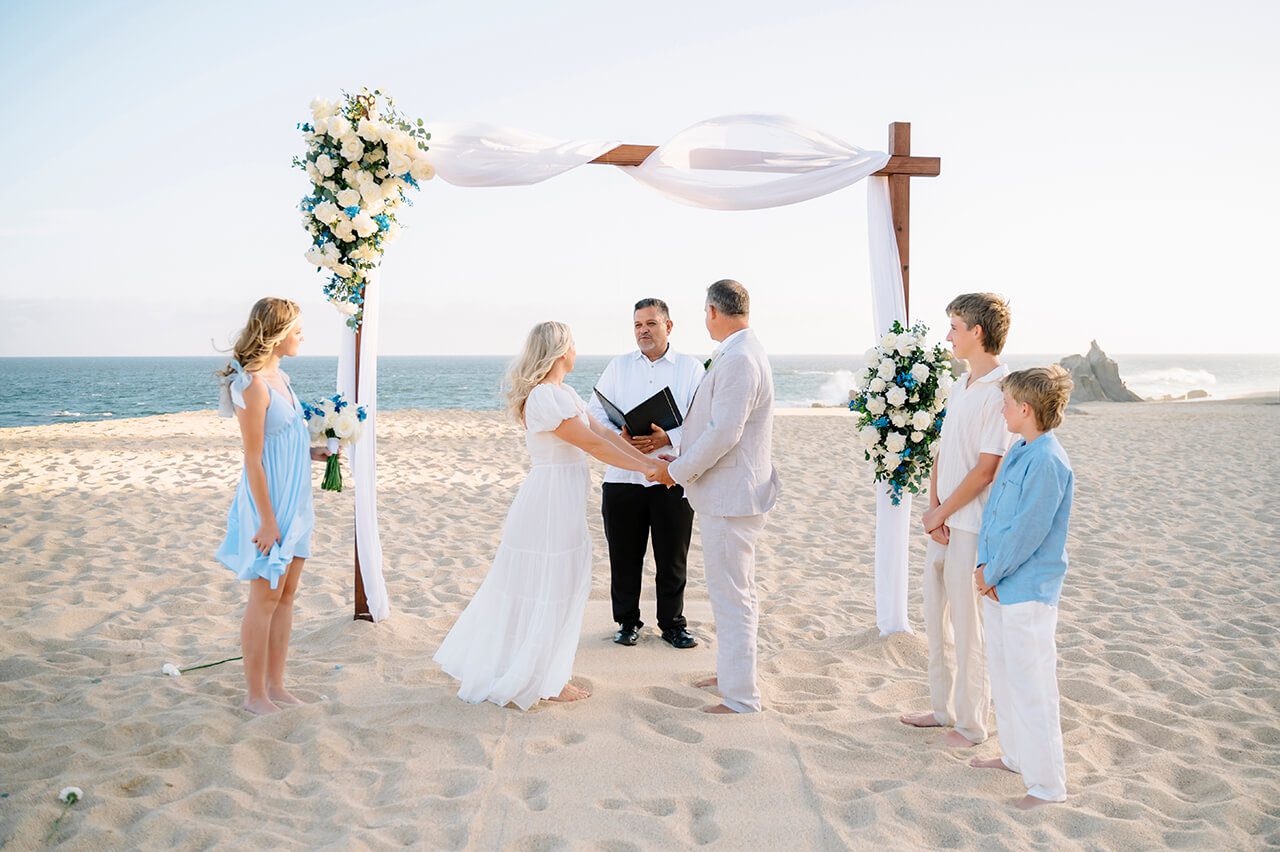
1097	378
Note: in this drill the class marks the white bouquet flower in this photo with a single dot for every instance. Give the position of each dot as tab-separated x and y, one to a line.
341	424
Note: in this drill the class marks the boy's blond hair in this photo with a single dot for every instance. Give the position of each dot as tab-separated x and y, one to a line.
1046	389
987	310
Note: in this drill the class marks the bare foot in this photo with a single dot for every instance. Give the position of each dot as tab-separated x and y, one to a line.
989	763
920	720
570	693
1028	802
283	696
954	739
719	710
707	682
260	706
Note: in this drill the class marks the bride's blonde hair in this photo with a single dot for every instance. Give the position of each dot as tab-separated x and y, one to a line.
547	341
270	322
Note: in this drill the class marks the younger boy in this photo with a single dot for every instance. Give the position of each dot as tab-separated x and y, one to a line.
974	439
1022	559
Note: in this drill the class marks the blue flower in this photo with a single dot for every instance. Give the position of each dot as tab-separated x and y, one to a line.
353	211
361	414
880	422
338	402
383	221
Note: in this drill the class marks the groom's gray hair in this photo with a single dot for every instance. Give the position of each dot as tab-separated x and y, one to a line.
653	303
729	297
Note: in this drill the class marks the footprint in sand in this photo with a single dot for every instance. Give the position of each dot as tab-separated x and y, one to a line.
735	764
531	791
671	698
548	745
703	827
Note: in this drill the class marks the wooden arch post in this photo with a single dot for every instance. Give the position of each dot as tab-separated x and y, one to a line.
902	166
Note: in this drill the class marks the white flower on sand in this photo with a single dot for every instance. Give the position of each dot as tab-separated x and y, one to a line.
869	436
898	418
877	385
171	670
917	437
364	225
895	442
326	211
889	342
875	406
896	396
906	344
70	795
326	165
921	420
887	370
349	197
920	372
891	461
871	357
422	170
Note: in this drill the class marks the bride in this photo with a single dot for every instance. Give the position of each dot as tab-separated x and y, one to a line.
516	640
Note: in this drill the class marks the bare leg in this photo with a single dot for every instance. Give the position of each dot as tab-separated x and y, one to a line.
989	763
278	638
707	682
920	720
570	693
254	633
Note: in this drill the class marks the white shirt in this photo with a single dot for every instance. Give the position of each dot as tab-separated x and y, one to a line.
631	379
974	425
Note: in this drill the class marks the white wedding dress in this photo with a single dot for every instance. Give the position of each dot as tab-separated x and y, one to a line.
515	642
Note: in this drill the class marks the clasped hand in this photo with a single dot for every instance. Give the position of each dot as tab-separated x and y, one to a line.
659	472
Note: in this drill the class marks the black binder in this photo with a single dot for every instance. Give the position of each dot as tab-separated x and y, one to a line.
659	408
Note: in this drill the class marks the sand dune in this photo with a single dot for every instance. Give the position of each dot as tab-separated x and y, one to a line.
1168	660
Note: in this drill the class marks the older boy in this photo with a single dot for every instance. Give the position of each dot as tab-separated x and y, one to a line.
973	441
1022	560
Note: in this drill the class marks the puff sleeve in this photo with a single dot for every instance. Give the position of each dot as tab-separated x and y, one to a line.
548	406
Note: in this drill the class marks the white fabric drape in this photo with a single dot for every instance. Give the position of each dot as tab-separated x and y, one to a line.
893	523
735	162
363	459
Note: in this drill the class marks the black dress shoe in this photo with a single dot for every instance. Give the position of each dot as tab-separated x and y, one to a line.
680	637
628	634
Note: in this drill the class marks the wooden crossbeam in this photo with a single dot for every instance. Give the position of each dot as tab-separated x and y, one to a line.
634	155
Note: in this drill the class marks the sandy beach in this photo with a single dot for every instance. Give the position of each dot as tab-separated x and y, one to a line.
1169	671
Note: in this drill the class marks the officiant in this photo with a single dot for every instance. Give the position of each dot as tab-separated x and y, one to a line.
634	510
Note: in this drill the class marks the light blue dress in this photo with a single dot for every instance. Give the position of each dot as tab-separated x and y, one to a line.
286	457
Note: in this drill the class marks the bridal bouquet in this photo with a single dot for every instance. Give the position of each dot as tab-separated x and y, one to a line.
342	424
361	157
901	398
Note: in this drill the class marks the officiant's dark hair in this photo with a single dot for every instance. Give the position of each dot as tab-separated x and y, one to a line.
653	303
729	297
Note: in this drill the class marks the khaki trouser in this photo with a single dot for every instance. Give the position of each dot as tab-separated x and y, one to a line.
953	624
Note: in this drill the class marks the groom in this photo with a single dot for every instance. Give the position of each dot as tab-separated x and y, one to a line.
726	468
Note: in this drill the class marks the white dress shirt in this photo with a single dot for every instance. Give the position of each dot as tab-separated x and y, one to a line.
974	425
631	379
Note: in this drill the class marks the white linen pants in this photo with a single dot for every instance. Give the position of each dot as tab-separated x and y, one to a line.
729	559
1023	658
953	624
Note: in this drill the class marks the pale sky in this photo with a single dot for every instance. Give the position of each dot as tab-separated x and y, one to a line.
1108	166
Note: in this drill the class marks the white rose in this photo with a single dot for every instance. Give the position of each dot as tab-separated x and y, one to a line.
939	403
896	396
877	385
917	437
945	382
398	161
875	406
906	344
422	170
376	206
367	130
891	461
351	175
920	372
338	126
343	270
349	198
352	149
921	420
321	109
869	436
889	342
871	357
391	189
934	448
326	211
331	254
362	180
887	370
371	191
898	418
343	231
315	256
314	173
345	424
375	155
393	231
364	225
895	442
171	670
325	165
345	307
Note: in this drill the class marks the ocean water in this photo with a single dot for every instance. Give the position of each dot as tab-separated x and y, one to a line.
36	391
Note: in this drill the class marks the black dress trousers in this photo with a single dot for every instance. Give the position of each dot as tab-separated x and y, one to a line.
631	514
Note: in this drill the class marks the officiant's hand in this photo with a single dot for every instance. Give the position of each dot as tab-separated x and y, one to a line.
646	444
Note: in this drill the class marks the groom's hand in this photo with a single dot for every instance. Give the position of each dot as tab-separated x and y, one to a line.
661	475
655	440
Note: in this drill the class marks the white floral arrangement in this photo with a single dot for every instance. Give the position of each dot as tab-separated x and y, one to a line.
361	157
901	398
341	424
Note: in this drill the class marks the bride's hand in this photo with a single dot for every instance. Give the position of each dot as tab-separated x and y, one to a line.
266	536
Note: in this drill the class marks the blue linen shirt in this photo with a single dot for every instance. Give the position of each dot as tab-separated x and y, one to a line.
1023	541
